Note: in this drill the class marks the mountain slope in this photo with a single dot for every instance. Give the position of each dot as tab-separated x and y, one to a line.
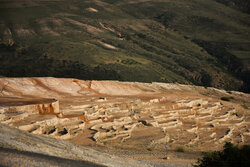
193	42
242	5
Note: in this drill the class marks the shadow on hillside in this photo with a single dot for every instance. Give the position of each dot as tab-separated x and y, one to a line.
11	157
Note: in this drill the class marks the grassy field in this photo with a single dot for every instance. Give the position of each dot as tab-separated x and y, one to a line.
201	42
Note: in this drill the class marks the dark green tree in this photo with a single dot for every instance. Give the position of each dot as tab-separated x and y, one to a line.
230	156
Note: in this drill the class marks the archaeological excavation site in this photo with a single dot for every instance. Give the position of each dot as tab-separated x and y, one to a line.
124	83
126	119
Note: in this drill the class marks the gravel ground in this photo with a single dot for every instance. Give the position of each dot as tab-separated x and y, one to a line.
164	164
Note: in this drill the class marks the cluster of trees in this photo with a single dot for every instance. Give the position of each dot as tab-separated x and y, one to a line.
230	156
25	64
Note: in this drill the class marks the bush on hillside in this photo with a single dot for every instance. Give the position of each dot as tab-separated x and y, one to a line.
230	156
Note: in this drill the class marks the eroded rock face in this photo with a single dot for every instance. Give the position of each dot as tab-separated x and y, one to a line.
36	107
103	112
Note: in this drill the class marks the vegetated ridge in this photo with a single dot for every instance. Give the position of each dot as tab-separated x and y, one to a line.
191	42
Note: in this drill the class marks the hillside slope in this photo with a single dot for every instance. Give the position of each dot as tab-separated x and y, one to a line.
34	148
242	5
192	42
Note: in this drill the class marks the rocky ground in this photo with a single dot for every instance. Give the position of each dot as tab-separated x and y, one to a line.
130	120
20	148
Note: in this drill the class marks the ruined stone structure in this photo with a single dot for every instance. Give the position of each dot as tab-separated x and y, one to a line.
114	112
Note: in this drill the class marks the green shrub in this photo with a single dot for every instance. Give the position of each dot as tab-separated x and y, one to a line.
179	149
226	98
244	106
230	156
129	62
150	149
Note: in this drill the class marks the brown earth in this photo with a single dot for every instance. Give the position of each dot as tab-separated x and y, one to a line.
134	120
